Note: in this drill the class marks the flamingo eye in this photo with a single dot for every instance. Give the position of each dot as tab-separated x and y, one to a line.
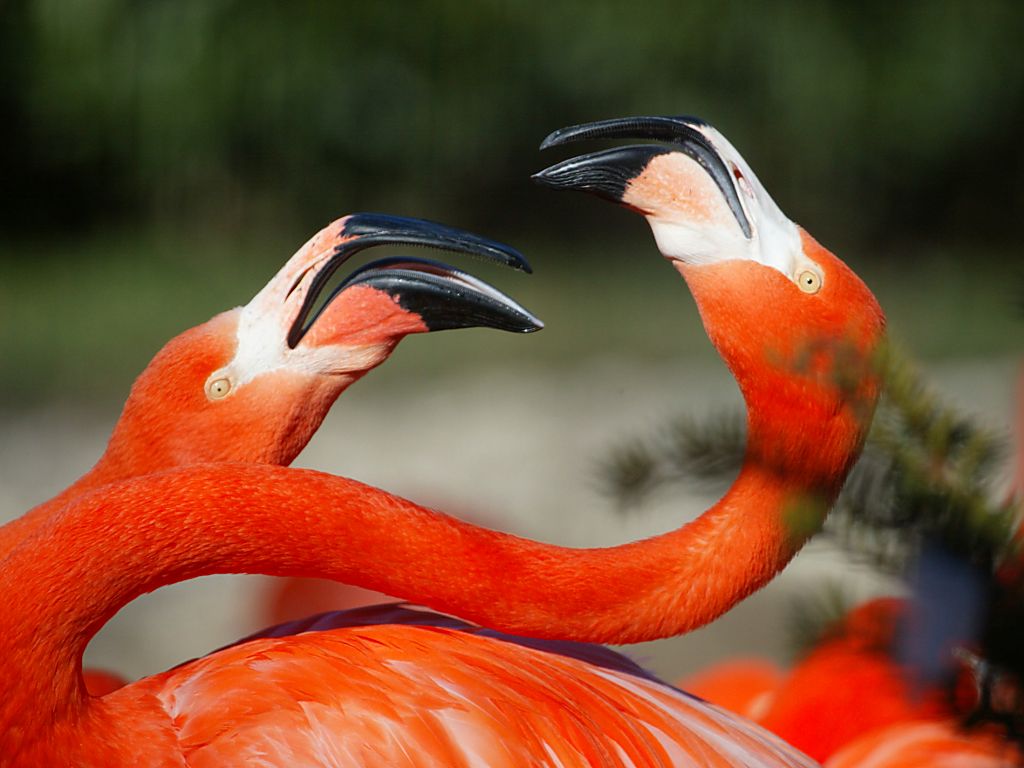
219	388
809	281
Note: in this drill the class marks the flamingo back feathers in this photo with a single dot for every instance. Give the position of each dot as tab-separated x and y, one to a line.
434	696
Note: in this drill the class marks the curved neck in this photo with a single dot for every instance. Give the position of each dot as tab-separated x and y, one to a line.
107	547
111	468
17	530
141	444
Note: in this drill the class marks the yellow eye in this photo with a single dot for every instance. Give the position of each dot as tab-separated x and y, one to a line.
809	281
218	388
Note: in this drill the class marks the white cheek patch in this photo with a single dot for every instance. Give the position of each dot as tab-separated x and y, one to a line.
775	240
697	242
262	348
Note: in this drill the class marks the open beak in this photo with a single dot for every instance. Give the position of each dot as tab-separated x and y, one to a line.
610	174
441	296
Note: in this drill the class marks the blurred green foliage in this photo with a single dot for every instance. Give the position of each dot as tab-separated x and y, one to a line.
872	120
158	159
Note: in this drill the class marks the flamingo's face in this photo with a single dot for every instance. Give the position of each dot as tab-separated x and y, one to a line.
763	284
254	383
795	325
701	198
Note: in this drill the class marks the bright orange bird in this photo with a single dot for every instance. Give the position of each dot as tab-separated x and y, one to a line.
796	327
254	383
852	683
846	686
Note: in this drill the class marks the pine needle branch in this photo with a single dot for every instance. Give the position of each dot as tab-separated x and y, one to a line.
924	474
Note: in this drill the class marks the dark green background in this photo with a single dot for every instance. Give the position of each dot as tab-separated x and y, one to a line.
158	159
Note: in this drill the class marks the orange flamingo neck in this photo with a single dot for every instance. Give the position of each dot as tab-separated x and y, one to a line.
166	421
806	426
123	540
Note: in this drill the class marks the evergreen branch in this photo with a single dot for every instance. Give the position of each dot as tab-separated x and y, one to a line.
924	474
922	481
687	450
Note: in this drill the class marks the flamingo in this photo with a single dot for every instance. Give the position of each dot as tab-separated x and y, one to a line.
781	704
253	384
784	313
851	684
846	688
190	405
850	701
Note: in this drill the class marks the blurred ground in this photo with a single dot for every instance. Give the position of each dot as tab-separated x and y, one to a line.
515	446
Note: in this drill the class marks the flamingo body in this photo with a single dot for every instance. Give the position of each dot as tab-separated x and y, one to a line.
851	684
925	744
401	695
847	686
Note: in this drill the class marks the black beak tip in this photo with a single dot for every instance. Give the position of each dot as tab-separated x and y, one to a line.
606	174
547	177
513	323
481	246
662	128
552	140
444	298
603	182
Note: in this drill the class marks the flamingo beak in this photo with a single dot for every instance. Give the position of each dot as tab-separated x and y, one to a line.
430	296
611	173
440	297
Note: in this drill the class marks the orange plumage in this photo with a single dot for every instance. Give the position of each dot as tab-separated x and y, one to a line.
744	686
432	694
926	744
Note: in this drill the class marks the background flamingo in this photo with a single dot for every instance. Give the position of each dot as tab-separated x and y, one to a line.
925	744
871	668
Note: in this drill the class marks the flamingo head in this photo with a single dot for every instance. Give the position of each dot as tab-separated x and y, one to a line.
796	326
254	383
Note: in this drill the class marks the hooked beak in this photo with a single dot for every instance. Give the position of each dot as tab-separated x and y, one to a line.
609	173
442	296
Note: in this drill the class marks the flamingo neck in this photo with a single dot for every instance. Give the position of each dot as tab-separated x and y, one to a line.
109	546
284	413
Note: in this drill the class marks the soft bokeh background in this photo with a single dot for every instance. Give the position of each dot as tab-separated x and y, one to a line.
159	160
